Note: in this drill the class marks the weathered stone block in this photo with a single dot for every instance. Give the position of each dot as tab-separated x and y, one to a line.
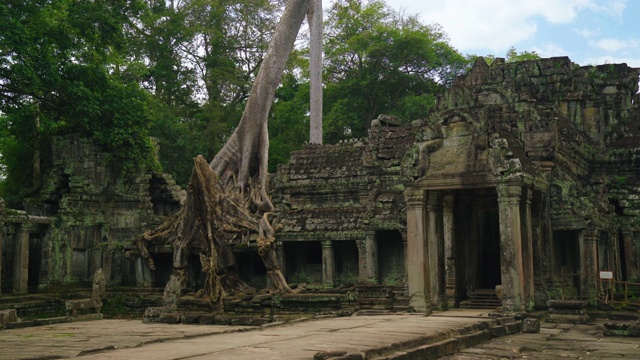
8	316
566	304
531	326
623	316
567	318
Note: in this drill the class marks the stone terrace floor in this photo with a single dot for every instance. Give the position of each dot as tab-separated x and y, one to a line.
131	339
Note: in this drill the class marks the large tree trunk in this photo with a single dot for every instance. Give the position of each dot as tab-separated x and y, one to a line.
315	71
227	200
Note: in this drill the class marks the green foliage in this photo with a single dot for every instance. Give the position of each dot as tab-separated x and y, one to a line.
289	121
380	61
513	55
59	73
118	71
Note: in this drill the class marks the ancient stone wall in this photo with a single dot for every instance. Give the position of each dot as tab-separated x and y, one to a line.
96	213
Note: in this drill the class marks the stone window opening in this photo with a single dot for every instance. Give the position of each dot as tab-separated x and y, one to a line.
162	201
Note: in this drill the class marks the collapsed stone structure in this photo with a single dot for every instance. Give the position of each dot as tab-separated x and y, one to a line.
84	220
525	176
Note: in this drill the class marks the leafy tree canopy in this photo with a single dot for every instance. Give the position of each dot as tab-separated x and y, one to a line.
60	73
381	61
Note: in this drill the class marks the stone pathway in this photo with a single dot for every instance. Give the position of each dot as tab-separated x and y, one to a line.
68	340
125	339
555	341
376	337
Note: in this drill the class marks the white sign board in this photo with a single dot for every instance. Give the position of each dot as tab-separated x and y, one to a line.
606	274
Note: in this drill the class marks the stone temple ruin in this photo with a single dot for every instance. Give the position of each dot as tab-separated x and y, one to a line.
525	177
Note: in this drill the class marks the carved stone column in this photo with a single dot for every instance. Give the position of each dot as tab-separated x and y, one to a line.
280	254
417	281
510	247
527	249
21	259
368	258
143	274
435	248
449	241
589	264
328	264
631	255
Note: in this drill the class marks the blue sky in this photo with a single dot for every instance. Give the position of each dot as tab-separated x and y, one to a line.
590	32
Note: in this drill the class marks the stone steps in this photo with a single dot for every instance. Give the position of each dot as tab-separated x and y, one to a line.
445	343
481	299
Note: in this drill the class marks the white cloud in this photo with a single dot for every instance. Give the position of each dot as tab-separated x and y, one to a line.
587	33
608	59
614	45
499	24
551	50
613	8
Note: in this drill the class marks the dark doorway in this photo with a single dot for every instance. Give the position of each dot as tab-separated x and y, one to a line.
346	260
164	268
390	257
251	269
304	261
476	232
623	256
489	273
35	259
567	262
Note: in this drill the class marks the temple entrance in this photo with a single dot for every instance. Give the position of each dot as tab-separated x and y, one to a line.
304	262
346	262
251	269
390	257
566	251
477	244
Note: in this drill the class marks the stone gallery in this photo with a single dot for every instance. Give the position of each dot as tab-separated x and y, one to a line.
523	181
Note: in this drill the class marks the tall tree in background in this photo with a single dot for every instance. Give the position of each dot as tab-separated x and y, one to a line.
227	199
381	61
199	58
60	66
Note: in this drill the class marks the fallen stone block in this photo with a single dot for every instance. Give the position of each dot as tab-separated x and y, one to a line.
623	316
8	316
568	318
75	307
324	355
531	326
566	304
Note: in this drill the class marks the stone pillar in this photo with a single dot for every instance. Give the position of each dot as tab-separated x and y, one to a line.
449	241
631	255
328	264
368	258
435	248
45	265
589	271
527	250
143	274
538	258
417	281
281	257
21	259
511	247
406	267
